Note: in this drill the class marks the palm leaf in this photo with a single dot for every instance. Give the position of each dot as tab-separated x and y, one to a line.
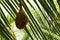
43	19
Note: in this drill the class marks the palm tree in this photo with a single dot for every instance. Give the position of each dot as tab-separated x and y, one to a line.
43	15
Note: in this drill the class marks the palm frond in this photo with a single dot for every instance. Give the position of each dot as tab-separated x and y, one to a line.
43	19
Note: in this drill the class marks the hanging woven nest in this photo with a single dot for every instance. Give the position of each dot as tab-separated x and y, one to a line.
21	19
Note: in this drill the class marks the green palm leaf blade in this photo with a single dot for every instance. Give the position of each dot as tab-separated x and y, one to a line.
3	26
51	15
58	2
33	19
54	8
7	9
4	30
